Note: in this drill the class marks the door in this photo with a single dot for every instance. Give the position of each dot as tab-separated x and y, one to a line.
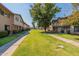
7	27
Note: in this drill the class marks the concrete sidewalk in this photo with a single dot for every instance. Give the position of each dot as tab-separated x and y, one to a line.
9	48
65	40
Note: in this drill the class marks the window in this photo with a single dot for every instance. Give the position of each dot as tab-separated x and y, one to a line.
5	14
17	19
1	12
20	20
76	28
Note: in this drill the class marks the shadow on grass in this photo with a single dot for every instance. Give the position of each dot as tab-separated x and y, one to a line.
51	32
77	38
48	32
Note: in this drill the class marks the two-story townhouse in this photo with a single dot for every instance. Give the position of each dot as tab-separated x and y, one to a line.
60	26
19	24
68	24
6	19
10	21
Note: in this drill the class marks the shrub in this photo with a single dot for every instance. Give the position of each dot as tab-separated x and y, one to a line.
15	31
28	29
3	34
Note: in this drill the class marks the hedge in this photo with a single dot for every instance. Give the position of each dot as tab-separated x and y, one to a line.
27	29
3	34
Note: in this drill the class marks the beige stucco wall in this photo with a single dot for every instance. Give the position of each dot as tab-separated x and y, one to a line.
4	20
11	22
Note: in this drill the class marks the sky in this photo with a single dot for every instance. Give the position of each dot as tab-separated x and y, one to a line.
66	9
23	9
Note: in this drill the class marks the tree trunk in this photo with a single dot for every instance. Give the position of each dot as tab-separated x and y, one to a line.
45	29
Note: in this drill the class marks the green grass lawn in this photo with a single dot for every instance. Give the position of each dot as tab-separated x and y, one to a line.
40	44
70	36
8	38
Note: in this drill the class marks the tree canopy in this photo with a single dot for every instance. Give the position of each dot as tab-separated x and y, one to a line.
75	6
70	20
42	13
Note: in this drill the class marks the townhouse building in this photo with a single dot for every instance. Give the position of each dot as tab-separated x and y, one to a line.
6	19
60	26
18	22
10	21
66	24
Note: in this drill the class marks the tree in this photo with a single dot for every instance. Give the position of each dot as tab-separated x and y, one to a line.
75	6
70	20
74	20
33	23
42	13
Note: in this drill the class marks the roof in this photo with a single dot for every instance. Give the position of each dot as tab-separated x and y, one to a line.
21	18
6	10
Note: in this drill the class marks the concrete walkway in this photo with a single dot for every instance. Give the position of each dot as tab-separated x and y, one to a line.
9	48
65	40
